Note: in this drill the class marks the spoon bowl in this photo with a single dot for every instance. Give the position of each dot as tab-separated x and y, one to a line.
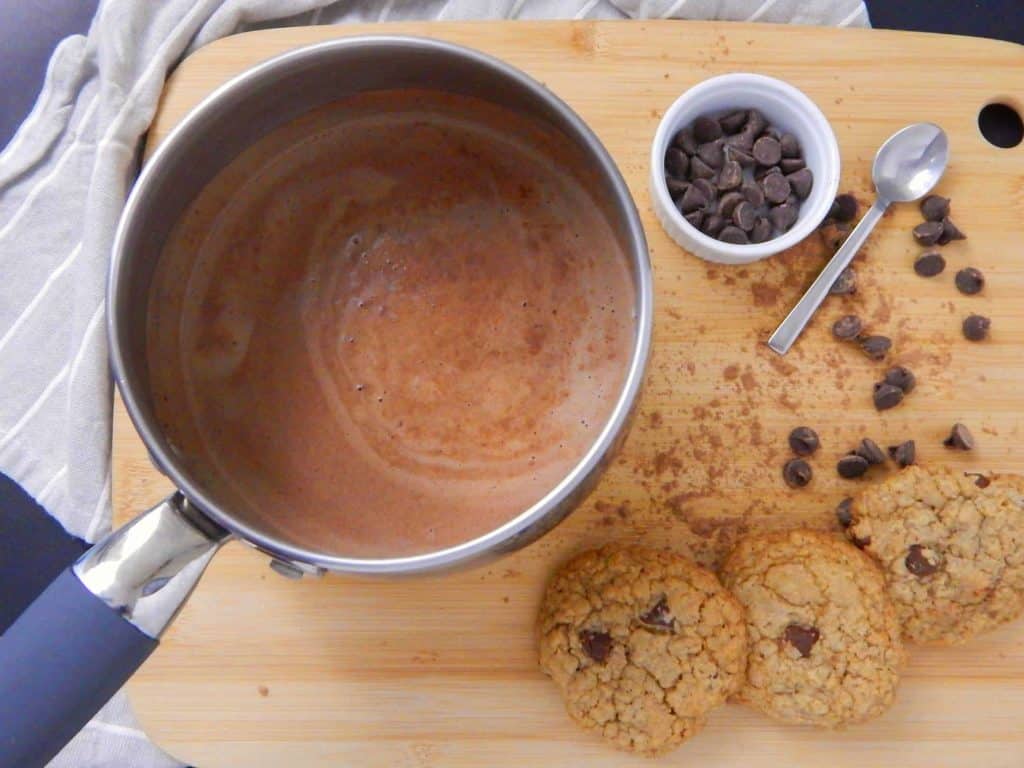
910	163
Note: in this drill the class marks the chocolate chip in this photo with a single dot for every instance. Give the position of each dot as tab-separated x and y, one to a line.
743	140
762	230
696	218
767	151
676	187
658	616
970	281
753	193
980	480
901	377
791	164
711	153
845	284
950	232
729	202
797	473
733	235
886	396
744	216
870	451
676	163
700	170
859	542
705	129
773	132
847	327
960	438
976	327
763	172
803	441
876	347
713	224
709	190
740	155
852	466
756	122
731	176
904	453
783	216
776	188
801	182
692	200
733	122
834	234
918	563
935	208
597	645
801	638
844	512
928	232
844	208
685	141
789	145
929	264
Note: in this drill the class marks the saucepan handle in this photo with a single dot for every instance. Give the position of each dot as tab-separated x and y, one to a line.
85	635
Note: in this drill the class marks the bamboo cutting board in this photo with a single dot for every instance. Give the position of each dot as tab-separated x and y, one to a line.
441	671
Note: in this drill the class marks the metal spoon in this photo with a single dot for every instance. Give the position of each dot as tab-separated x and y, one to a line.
906	168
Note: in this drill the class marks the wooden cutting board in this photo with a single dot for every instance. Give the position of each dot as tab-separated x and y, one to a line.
441	671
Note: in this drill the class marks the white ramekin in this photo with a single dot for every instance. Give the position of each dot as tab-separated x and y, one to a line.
786	108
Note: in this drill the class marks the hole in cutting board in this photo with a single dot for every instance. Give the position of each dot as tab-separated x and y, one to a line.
1001	125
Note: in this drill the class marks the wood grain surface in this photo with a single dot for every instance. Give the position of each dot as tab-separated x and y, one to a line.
441	671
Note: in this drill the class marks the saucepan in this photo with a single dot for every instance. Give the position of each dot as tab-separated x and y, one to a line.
86	634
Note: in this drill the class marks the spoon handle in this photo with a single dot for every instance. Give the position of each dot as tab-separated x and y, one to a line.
800	315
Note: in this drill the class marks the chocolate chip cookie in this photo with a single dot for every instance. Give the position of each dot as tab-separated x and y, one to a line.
642	643
825	644
952	548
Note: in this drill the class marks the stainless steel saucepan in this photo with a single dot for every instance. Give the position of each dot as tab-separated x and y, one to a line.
92	628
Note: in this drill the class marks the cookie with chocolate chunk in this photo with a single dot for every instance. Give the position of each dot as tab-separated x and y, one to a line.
642	644
825	644
952	548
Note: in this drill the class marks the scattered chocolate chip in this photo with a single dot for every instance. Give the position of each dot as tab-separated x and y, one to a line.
776	188
950	232
844	512
713	224
845	284
852	466
789	145
797	473
753	193
744	216
876	346
929	264
597	645
917	562
976	327
706	129
693	199
859	542
731	176
980	480
803	441
695	218
844	208
928	232
870	451
904	453
708	190
676	163
740	155
847	327
935	208
700	170
733	235
960	438
801	638
886	396
783	216
791	164
712	153
970	281
734	121
902	377
676	187
801	182
762	230
685	141
658	616
834	234
767	151
729	202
